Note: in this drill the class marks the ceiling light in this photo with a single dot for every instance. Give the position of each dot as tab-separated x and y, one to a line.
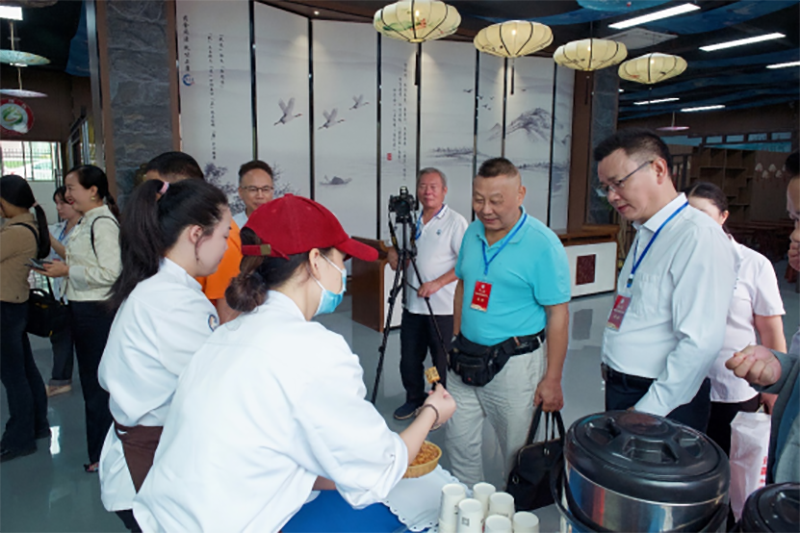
785	65
658	15
10	12
316	13
429	20
703	108
590	54
656	101
740	42
652	68
622	90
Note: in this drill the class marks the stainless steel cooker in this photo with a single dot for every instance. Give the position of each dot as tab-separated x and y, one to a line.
772	508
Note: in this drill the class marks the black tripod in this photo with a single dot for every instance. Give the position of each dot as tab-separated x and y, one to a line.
404	254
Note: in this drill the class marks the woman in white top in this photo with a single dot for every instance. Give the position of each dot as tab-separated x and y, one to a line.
273	404
756	309
61	340
91	267
171	234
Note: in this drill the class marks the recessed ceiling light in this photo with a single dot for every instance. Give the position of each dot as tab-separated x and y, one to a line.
19	64
657	101
785	65
10	12
622	90
740	42
703	108
316	13
673	128
658	15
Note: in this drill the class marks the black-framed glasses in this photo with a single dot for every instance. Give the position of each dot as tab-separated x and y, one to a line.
252	189
603	189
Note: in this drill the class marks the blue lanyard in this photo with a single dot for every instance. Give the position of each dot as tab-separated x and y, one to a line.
418	233
637	262
486	260
63	232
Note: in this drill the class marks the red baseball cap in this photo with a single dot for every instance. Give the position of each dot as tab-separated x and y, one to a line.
294	225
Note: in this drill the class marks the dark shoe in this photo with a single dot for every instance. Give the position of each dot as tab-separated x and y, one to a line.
91	468
7	455
406	411
43	433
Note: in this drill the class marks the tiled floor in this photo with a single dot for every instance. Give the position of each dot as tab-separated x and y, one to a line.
49	491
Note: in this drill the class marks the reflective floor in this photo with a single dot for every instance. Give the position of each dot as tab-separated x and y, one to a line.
49	491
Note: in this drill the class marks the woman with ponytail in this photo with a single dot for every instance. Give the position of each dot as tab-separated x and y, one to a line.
22	238
92	266
171	234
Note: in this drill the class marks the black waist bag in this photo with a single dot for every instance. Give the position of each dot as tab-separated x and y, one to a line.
475	363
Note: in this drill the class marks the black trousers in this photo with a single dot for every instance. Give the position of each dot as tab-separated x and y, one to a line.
90	323
417	336
27	399
722	414
63	356
622	393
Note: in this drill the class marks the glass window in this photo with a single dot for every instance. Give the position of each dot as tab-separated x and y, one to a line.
34	161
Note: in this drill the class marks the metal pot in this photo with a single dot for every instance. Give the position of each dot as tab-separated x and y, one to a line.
772	508
631	471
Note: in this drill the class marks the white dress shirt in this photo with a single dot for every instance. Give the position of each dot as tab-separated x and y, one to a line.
158	328
438	244
756	293
58	230
674	326
269	403
93	270
240	219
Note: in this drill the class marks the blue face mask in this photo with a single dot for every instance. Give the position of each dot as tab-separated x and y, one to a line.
329	300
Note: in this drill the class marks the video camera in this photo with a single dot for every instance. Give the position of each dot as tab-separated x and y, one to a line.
402	205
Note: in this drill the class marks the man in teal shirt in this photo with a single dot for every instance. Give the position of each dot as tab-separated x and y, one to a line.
513	292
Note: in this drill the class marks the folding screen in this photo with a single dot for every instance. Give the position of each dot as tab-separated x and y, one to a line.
562	148
490	108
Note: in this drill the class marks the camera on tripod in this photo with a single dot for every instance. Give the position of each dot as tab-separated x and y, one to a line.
402	205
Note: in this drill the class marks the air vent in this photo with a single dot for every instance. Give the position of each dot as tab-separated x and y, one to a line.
636	38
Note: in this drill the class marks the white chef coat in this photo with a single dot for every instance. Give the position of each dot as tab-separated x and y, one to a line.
756	293
438	244
675	323
269	403
158	328
240	219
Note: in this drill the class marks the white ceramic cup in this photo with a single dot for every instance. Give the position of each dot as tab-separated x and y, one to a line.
482	492
501	503
470	516
525	522
452	494
498	524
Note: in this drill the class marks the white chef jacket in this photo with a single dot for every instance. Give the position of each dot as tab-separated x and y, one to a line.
240	219
675	323
756	293
269	403
158	328
438	244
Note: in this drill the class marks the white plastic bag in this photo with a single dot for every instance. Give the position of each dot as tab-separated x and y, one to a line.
749	448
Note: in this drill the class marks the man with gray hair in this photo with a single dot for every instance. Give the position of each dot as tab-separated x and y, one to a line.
438	235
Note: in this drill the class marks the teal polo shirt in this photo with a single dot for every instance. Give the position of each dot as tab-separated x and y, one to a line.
531	271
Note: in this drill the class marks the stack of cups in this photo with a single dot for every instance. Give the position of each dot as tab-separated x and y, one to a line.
488	511
452	495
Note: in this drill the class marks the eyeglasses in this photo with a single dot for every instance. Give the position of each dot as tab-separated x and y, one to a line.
253	189
603	189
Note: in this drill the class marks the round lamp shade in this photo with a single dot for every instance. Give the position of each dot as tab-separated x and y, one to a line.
22	59
652	68
590	54
514	38
417	21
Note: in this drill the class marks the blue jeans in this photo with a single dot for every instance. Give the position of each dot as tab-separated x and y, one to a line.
27	400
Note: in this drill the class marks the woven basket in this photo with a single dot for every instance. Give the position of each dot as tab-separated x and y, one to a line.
424	468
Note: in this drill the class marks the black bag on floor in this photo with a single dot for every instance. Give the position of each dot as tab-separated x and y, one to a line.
46	314
529	480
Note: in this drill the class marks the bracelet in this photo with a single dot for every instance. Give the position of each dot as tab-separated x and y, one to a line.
436	424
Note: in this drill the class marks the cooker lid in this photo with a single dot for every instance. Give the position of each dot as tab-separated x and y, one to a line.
773	508
647	457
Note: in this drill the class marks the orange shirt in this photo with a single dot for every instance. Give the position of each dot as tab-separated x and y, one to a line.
214	285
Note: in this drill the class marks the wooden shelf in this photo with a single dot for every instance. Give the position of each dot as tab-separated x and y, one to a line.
731	170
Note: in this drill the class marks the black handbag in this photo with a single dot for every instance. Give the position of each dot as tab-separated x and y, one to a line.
529	480
46	314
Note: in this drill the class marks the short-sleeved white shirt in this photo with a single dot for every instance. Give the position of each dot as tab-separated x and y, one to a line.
240	219
438	244
756	293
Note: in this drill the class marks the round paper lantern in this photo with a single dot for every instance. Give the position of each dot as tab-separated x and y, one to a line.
652	68
417	21
590	54
514	38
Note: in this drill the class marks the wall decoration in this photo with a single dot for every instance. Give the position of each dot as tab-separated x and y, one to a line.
16	118
284	141
562	148
214	69
345	89
448	117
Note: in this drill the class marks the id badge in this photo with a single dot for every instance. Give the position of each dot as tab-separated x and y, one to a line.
480	297
621	304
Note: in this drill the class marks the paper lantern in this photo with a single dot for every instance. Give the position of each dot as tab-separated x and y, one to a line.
514	38
417	21
590	54
652	68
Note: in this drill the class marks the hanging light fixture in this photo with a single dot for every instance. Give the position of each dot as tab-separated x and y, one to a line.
514	38
652	68
590	54
20	59
417	21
